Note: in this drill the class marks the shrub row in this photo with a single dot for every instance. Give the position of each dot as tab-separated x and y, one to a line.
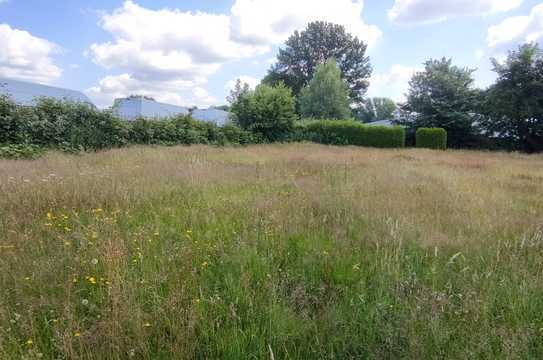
349	132
431	138
76	126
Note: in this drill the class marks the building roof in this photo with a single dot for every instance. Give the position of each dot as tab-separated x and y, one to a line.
219	117
387	123
134	107
26	93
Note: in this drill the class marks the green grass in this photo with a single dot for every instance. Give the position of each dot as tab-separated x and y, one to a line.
279	251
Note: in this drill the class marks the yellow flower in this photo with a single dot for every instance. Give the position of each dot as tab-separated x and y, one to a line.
67	243
94	235
147	324
157	233
77	334
29	342
27	278
92	280
74	280
50	216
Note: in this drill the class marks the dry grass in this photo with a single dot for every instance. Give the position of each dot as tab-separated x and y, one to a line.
302	250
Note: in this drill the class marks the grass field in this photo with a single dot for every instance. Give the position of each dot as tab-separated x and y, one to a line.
272	252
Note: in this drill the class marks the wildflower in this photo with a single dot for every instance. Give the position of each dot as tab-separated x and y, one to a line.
197	301
74	280
29	342
77	334
156	233
27	278
67	243
94	261
48	224
94	235
50	216
147	325
92	280
325	253
205	264
67	229
85	302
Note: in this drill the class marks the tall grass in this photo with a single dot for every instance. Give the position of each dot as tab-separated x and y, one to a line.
276	251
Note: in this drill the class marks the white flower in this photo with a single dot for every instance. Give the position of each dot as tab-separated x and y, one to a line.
94	261
85	302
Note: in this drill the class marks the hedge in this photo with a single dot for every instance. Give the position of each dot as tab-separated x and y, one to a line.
431	138
349	132
71	126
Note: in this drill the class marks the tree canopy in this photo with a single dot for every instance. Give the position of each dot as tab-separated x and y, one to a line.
442	95
327	95
377	108
514	104
297	62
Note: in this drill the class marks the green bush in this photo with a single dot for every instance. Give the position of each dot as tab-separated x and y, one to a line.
268	112
432	138
20	151
349	132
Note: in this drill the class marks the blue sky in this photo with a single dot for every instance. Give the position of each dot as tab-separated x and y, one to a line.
190	52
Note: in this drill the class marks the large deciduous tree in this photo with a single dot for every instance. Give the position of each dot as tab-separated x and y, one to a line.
514	104
443	95
297	62
327	95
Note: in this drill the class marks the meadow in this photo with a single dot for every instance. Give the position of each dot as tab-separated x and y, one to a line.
293	251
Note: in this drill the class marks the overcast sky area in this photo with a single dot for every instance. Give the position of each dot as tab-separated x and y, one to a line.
190	52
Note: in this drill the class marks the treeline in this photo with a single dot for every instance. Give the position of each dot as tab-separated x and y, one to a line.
327	71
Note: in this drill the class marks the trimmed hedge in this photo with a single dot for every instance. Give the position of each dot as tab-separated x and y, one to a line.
432	138
349	132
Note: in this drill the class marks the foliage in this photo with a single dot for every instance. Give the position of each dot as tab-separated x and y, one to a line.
239	90
20	151
514	104
268	112
297	62
70	126
442	95
349	132
377	108
327	95
432	138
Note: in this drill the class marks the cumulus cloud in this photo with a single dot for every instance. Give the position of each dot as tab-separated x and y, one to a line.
392	84
26	57
429	11
516	30
177	92
168	46
262	22
249	80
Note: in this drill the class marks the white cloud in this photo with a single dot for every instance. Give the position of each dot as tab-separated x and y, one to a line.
393	83
516	30
264	22
154	48
26	57
251	81
177	92
429	11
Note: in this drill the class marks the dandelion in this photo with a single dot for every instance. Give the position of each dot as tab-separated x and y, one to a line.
77	334
205	264
74	280
50	216
197	301
147	325
29	342
92	280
